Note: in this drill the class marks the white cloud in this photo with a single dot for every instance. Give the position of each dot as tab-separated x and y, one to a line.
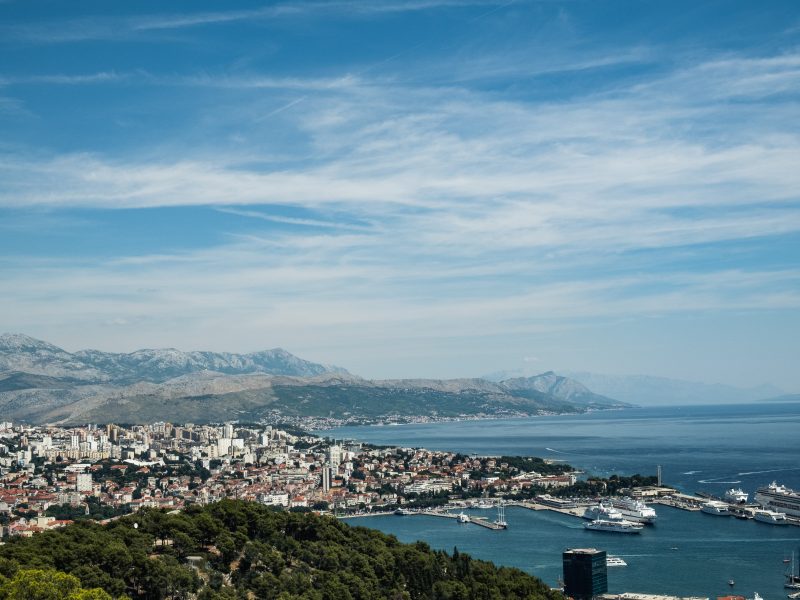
437	212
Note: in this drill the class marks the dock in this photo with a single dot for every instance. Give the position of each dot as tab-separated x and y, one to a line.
571	512
480	521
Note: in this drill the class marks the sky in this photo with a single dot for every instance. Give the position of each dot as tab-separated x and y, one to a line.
420	188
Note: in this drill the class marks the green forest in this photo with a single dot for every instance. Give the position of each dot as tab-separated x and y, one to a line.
241	550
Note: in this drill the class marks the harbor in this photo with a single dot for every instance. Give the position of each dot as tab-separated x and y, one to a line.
708	552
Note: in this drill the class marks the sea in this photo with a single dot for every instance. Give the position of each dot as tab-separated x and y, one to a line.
699	448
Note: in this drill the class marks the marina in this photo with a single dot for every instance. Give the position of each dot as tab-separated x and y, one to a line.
706	551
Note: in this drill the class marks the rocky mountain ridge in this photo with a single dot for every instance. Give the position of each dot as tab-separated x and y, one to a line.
19	352
42	383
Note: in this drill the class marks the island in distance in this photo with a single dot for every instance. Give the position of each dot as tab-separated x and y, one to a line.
42	383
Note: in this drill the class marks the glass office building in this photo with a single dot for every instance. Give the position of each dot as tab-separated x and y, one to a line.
585	573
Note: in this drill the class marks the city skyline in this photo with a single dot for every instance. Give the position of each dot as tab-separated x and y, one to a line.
408	189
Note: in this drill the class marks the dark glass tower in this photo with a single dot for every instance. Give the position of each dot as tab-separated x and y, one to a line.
585	573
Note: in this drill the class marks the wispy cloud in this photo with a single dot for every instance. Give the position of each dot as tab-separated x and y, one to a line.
110	29
422	205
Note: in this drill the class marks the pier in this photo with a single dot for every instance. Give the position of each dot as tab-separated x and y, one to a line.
480	521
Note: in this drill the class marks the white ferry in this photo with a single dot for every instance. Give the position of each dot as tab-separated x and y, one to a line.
770	516
601	511
634	510
715	507
736	496
615	561
614	526
462	518
779	498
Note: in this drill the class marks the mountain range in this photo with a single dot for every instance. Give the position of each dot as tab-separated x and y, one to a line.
42	383
650	390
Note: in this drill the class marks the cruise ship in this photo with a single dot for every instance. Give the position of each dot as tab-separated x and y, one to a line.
634	510
715	507
736	496
614	526
602	511
779	498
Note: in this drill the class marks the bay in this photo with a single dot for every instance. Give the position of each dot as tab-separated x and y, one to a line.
708	448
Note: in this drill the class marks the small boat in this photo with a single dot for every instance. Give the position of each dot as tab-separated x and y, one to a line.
731	582
717	508
462	518
615	561
402	512
792	578
770	517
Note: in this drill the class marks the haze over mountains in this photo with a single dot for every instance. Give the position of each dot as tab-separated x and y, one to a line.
40	382
649	390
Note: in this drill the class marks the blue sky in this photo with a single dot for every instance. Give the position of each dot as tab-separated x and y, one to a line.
430	188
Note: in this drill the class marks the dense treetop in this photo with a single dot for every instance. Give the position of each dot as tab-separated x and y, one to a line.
234	549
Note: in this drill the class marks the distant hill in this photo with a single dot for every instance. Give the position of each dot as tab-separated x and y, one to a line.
559	387
45	384
784	398
647	390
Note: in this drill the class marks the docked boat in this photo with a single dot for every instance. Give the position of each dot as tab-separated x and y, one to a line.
484	505
715	507
770	517
622	526
602	511
792	578
780	498
634	510
615	561
500	521
462	518
736	496
402	512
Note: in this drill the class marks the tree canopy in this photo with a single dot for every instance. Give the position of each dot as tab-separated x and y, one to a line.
234	549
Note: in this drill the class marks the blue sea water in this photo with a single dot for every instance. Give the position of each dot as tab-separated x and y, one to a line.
700	448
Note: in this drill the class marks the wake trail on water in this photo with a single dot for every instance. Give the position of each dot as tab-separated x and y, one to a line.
717	481
769	471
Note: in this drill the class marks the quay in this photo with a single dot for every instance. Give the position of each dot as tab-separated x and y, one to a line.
682	501
480	521
577	508
572	511
638	596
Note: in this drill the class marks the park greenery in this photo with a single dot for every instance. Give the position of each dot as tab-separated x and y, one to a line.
235	549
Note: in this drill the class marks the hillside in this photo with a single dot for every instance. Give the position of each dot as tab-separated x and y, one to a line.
91	386
242	550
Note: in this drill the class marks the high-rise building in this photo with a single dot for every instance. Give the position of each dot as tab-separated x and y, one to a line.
83	482
334	456
585	573
326	478
227	430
